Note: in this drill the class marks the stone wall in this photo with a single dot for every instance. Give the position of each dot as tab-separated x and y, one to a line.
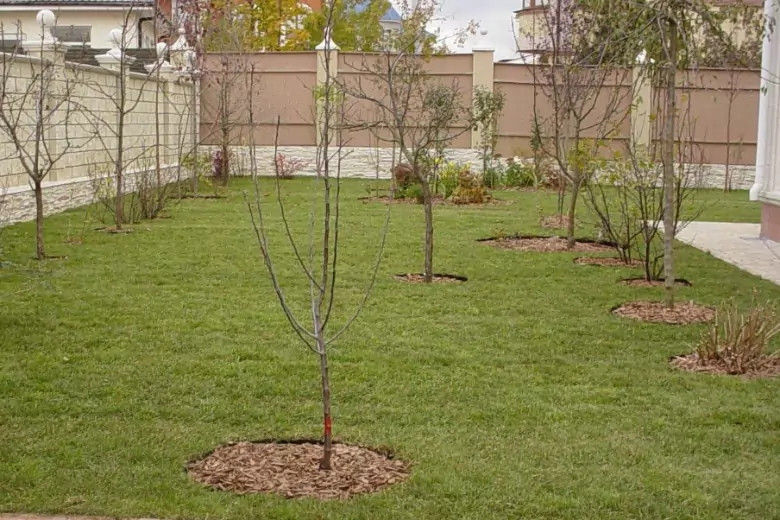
362	163
18	203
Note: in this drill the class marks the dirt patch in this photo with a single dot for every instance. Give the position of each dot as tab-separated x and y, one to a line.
605	261
437	278
767	367
641	282
656	312
292	470
545	244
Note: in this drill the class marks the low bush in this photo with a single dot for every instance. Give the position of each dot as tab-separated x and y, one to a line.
738	342
470	189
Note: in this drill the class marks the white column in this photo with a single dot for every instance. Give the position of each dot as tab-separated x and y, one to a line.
52	60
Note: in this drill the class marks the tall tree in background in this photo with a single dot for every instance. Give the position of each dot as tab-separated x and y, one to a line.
355	24
259	25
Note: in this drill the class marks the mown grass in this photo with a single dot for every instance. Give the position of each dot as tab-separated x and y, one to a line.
515	395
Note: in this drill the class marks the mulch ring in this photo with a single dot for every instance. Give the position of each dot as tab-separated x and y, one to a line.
115	231
656	312
291	469
642	282
546	244
605	261
437	201
202	197
768	366
437	278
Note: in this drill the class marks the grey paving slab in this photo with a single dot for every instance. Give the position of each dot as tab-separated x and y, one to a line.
737	244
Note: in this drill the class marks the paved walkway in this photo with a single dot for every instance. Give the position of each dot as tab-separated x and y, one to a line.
737	244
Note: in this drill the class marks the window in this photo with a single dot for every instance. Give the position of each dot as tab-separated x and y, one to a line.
525	4
73	33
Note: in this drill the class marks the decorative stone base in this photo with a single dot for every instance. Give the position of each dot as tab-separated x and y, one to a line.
770	221
361	162
18	203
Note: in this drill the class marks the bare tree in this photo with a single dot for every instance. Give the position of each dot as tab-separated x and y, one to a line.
404	105
320	265
584	96
123	150
37	109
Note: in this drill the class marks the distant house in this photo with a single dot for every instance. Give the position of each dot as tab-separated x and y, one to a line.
86	22
535	22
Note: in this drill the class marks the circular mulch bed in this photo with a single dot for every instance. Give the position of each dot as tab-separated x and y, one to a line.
115	231
291	469
437	278
546	244
605	261
656	312
641	282
202	197
438	201
768	366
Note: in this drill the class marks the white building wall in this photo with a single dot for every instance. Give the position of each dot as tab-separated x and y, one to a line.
102	22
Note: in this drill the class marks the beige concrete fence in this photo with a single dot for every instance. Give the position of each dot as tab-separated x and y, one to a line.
82	130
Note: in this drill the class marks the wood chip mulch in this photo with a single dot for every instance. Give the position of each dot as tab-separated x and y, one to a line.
292	470
437	278
605	261
545	245
115	231
642	282
437	201
656	312
768	367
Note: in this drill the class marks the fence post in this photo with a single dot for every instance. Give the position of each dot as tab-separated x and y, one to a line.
52	62
641	107
327	63
482	74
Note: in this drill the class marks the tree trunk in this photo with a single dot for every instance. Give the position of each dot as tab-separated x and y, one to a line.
327	449
575	190
119	208
671	107
428	203
727	179
40	251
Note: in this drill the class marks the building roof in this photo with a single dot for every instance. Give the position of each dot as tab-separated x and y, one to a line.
67	3
391	15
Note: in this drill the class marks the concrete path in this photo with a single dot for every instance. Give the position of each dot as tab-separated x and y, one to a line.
737	244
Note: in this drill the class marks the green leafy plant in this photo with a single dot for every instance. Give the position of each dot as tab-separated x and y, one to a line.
494	175
448	177
519	175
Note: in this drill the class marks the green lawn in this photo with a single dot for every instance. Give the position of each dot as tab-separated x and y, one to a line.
515	395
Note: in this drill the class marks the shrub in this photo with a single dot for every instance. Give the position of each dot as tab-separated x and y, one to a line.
493	176
286	167
470	190
519	175
738	342
448	177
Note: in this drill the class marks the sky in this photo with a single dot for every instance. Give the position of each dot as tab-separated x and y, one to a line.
494	16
